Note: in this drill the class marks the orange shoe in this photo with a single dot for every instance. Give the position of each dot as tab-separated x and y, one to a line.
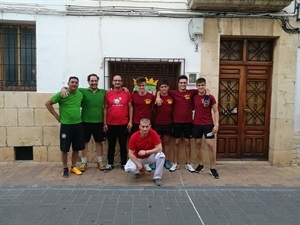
83	167
101	166
75	170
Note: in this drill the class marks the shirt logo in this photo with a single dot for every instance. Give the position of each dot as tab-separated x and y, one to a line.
147	101
170	101
117	101
187	97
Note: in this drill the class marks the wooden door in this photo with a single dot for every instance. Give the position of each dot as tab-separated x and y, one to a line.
244	107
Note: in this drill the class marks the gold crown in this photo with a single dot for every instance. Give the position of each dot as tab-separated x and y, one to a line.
150	81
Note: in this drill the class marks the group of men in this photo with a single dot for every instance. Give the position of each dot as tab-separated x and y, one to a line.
117	114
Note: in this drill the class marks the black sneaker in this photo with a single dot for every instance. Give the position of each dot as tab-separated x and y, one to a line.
199	168
65	173
108	168
158	182
214	173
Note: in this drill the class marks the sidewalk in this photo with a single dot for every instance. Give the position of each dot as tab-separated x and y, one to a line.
231	175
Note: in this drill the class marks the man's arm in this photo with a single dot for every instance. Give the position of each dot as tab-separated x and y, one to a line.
49	106
157	148
216	118
105	128
135	160
130	113
158	100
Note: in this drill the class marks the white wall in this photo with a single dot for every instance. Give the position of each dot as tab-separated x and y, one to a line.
77	45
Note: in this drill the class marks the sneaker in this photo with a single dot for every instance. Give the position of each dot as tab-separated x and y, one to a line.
65	173
101	166
167	164
108	168
147	168
189	167
152	166
75	170
214	173
158	182
174	167
83	167
199	168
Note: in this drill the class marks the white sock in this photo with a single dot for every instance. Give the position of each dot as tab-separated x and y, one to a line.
99	158
83	159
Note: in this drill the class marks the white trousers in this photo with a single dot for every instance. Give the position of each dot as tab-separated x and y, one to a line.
157	158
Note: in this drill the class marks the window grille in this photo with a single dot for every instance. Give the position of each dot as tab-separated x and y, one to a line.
17	58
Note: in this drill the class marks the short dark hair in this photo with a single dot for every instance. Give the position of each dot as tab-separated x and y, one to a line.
91	75
182	77
200	80
163	82
140	80
73	77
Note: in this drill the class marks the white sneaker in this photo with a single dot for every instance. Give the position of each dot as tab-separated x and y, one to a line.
147	168
189	167
174	167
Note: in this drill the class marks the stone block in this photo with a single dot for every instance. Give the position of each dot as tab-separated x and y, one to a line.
24	136
54	153
7	154
2	100
3	136
8	117
15	100
281	157
38	100
26	117
51	135
40	154
42	117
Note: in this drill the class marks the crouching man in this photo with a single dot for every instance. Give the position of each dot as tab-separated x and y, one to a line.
145	148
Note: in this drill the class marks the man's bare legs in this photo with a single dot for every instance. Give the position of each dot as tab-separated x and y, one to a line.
99	148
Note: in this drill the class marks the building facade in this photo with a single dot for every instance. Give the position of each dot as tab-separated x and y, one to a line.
248	52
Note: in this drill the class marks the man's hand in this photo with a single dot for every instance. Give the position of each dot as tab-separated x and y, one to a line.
158	101
141	168
64	92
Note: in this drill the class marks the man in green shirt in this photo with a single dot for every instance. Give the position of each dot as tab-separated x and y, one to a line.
71	130
92	118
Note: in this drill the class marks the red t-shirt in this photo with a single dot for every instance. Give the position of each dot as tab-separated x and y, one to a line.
138	143
183	105
163	113
142	106
117	107
203	115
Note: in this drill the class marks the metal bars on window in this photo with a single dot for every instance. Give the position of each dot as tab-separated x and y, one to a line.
17	58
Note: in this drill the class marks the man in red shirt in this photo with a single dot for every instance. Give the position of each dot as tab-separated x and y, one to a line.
182	121
117	121
205	124
145	148
142	102
163	119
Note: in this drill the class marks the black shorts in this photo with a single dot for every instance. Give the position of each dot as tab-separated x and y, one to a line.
163	129
182	129
200	130
71	134
95	129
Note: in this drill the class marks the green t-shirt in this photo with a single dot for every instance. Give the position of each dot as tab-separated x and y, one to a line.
69	107
92	105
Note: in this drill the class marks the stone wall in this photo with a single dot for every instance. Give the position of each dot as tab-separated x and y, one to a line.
25	121
296	149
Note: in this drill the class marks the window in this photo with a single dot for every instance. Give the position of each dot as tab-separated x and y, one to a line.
17	58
